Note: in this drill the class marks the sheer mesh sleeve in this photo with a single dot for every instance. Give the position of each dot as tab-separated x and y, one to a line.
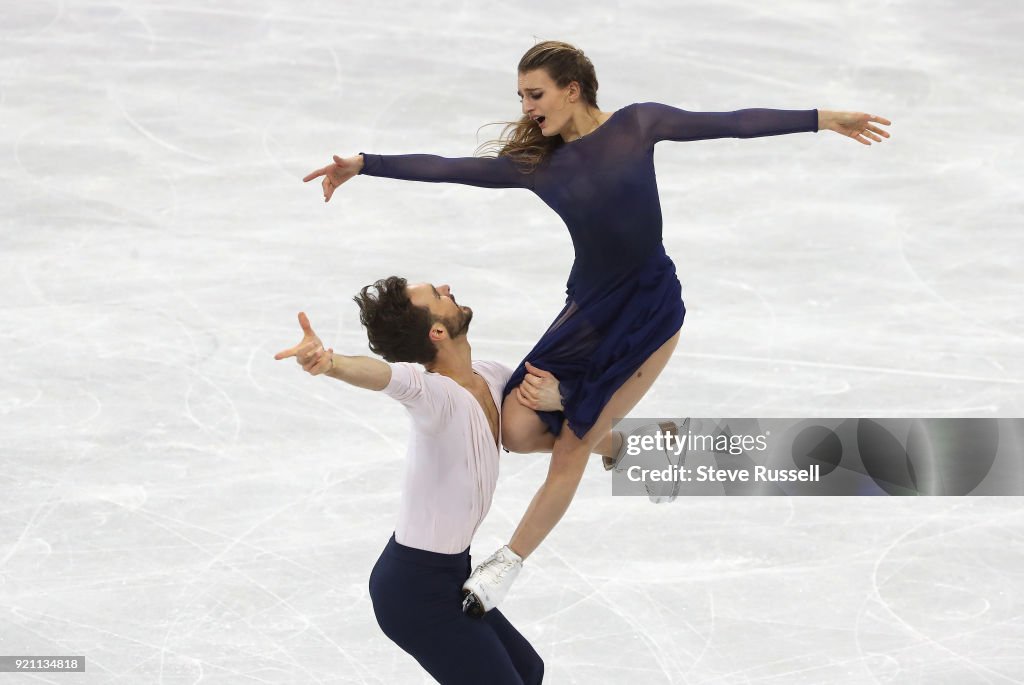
484	172
661	122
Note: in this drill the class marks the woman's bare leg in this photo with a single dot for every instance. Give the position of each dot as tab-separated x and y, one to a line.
523	432
570	454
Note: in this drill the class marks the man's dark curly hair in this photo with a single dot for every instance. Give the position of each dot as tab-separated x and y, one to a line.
398	330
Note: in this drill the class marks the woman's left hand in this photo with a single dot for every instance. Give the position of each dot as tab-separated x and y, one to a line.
857	125
539	390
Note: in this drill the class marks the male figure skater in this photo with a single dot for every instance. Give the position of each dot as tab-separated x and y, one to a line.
451	473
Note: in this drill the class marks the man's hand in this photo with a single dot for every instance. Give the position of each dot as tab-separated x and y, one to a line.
310	352
539	390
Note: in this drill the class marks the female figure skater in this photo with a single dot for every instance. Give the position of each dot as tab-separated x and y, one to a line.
623	308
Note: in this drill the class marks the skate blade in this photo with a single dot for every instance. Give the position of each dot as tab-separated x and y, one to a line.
472	606
666	427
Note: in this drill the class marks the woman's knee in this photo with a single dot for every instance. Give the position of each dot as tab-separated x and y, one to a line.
522	431
515	442
520	441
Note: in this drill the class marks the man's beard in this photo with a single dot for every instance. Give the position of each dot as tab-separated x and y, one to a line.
458	326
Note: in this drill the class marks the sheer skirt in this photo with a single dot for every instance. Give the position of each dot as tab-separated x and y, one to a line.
601	337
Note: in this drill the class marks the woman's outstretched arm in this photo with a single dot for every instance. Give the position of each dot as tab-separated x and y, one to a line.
484	172
662	122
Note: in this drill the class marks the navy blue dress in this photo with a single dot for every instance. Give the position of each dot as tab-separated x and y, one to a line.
623	297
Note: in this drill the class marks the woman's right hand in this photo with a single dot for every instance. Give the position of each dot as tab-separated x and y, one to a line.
336	174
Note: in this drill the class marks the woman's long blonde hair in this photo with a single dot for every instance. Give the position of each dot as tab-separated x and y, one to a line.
522	140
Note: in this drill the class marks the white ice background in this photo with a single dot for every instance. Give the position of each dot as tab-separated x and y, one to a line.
180	508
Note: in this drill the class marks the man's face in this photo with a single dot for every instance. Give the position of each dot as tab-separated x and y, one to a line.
442	306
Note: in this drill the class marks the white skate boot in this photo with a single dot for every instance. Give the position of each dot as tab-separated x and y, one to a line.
662	491
487	586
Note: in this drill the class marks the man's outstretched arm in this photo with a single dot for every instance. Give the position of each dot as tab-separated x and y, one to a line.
363	372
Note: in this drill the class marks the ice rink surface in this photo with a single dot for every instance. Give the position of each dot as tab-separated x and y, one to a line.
178	507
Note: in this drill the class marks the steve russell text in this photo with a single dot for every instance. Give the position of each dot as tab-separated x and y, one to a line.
713	474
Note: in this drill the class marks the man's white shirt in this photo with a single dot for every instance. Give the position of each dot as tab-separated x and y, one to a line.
452	460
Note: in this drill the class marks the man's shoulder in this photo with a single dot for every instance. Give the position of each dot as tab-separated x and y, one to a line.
495	372
406	376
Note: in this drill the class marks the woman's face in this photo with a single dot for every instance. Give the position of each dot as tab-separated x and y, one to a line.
544	102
